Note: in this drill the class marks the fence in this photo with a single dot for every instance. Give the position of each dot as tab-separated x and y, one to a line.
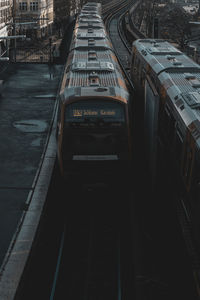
31	54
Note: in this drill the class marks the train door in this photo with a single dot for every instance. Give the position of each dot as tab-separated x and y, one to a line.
150	126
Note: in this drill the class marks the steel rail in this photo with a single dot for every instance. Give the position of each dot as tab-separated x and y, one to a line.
126	52
186	227
99	242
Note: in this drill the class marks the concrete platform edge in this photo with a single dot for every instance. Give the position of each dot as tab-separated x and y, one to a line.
16	257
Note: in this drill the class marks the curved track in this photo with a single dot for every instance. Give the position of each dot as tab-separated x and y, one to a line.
113	22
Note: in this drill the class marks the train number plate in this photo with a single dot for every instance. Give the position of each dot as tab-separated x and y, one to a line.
95	157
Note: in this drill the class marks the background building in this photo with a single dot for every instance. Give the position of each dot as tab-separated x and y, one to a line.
5	18
40	12
63	10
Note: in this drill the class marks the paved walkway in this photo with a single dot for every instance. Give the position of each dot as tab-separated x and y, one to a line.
27	105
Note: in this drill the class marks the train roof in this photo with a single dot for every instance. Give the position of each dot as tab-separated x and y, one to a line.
92	70
89	24
89	21
89	14
92	5
177	76
92	19
91	44
92	61
87	81
89	7
94	74
90	33
184	91
74	94
162	56
83	25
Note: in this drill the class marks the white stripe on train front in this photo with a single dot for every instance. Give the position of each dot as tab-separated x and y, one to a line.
95	157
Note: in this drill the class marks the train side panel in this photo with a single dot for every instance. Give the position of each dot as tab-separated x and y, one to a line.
174	77
151	107
171	119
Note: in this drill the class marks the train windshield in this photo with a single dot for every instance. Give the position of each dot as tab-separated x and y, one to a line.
94	111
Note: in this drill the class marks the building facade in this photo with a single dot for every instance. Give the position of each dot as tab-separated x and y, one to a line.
33	18
5	20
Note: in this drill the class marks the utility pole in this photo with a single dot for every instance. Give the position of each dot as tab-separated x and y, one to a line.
155	27
14	28
199	9
50	49
15	42
150	18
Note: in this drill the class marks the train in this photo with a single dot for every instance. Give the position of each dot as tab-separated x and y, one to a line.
94	114
168	87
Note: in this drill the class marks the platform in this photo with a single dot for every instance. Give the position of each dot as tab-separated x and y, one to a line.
27	106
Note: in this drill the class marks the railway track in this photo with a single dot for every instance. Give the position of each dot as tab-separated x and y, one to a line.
88	263
113	25
84	247
187	231
90	249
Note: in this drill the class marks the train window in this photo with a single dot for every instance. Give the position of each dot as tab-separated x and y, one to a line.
58	118
188	160
188	166
165	124
195	181
167	127
178	145
171	130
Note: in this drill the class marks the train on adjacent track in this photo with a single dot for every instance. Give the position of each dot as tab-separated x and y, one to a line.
94	119
168	86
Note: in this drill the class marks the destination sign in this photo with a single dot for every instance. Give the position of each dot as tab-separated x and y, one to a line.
83	111
90	112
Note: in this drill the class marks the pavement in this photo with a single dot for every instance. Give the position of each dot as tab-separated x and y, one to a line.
27	155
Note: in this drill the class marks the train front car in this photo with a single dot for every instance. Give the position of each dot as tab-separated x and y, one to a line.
93	119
